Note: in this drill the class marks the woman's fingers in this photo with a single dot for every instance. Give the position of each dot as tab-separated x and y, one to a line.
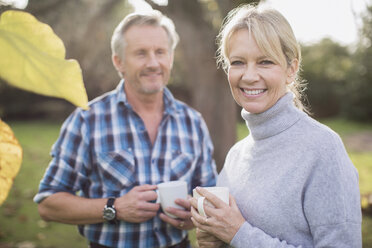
198	220
212	198
223	222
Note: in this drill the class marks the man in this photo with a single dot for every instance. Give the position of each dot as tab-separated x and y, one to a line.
131	139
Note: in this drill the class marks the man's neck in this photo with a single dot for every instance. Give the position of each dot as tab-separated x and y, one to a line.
145	103
150	108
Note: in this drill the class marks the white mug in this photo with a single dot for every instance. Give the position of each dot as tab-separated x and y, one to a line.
168	192
220	192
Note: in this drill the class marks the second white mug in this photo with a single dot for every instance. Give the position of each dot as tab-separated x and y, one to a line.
168	192
220	192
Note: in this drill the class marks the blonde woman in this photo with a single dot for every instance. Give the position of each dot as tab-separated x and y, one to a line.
291	181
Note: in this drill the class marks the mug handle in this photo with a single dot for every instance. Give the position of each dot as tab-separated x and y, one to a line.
158	198
201	206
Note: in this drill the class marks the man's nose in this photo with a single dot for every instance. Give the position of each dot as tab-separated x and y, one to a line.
152	60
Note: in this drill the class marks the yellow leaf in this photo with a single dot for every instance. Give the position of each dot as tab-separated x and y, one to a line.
10	159
33	58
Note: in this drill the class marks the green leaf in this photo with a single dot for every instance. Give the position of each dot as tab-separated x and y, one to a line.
33	58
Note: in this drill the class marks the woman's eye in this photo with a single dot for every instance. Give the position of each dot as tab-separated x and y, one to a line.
236	62
266	62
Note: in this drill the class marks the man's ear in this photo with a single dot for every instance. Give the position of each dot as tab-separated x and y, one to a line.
292	71
117	63
172	59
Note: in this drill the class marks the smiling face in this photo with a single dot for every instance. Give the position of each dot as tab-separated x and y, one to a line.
147	59
257	82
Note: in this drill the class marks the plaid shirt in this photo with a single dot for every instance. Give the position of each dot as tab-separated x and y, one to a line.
106	151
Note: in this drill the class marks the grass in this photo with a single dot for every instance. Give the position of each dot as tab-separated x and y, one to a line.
344	127
20	224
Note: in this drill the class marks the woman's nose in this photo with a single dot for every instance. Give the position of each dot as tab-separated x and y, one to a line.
250	73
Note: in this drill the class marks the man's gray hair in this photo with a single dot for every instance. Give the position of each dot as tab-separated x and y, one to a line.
152	18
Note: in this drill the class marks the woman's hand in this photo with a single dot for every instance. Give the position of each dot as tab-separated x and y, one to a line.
207	240
223	221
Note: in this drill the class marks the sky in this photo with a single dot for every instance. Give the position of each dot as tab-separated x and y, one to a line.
313	20
20	4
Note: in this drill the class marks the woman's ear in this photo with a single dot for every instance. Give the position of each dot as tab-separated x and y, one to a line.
292	71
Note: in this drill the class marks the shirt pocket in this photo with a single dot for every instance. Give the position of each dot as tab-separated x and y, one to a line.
117	171
182	166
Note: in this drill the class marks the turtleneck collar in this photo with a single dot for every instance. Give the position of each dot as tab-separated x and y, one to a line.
275	120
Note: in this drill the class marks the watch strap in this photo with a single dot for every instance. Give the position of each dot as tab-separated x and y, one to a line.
110	205
110	202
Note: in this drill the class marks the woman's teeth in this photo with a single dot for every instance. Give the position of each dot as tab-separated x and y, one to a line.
253	92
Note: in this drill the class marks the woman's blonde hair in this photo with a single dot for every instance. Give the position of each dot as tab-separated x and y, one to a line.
274	37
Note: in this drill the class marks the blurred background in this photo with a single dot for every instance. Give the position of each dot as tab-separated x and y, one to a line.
336	43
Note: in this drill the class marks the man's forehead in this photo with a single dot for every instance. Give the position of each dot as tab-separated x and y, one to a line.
146	35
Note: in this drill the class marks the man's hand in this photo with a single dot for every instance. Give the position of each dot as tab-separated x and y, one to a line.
183	220
135	206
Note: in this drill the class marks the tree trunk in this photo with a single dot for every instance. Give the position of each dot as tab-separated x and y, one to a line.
207	85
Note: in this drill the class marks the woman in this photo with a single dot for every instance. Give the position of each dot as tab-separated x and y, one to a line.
291	181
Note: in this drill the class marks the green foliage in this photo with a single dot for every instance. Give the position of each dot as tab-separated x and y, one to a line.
326	66
340	81
359	93
350	85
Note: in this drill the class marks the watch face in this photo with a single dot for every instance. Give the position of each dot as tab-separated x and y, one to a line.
109	213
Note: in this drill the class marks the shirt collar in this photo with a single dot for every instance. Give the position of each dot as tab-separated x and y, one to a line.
170	105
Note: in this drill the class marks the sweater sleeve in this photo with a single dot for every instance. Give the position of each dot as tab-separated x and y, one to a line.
249	236
331	198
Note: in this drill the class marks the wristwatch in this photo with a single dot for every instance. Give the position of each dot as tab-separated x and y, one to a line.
109	211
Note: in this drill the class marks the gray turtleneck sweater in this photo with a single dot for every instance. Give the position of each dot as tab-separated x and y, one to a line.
293	182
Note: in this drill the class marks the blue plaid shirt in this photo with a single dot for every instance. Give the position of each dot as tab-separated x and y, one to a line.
106	151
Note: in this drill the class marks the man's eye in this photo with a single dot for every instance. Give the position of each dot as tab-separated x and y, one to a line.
160	51
140	53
